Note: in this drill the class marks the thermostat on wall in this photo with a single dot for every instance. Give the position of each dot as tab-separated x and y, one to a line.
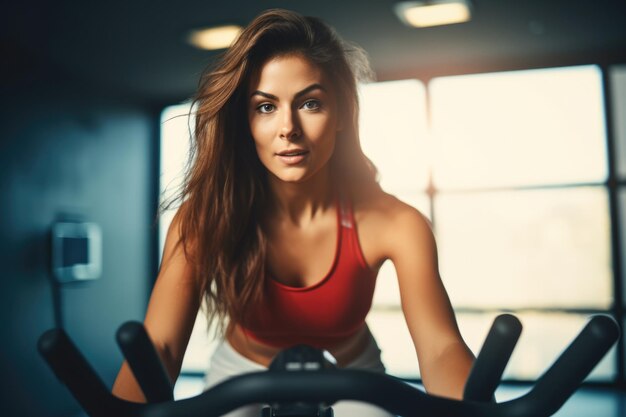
76	251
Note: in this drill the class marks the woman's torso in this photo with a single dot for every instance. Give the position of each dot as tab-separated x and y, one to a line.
288	267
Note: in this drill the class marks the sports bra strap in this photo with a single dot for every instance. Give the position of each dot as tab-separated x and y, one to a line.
345	211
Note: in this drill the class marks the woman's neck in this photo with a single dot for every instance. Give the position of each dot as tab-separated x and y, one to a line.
301	202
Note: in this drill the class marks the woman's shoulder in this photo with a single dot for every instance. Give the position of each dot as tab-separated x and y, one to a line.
383	220
378	205
387	226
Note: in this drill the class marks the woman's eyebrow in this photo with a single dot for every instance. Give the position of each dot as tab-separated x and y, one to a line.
300	93
262	94
310	88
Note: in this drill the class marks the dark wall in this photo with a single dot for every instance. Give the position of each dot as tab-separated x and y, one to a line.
65	149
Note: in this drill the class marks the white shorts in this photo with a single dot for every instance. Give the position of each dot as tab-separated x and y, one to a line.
227	362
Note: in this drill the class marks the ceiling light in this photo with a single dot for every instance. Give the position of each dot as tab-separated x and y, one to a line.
433	13
214	38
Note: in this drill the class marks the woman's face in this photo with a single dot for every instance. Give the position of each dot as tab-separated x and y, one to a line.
293	118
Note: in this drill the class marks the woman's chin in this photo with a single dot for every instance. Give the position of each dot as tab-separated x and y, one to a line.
300	175
291	179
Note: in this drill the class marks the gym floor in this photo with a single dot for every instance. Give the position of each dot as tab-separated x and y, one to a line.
587	402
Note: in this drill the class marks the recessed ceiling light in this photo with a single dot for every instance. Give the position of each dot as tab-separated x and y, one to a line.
219	37
433	13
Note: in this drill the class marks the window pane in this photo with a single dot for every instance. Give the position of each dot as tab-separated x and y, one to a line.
175	134
387	292
617	76
393	338
394	133
621	193
514	128
623	322
534	248
201	345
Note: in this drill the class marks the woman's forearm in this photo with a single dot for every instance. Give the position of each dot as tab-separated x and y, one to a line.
126	387
446	375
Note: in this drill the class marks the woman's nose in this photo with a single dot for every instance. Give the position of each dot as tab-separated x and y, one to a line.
290	128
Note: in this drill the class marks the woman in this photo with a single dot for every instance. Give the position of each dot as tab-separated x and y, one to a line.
283	227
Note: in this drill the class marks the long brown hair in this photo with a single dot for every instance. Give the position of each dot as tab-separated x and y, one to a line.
225	187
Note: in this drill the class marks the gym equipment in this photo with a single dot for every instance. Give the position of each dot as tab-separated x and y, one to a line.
302	384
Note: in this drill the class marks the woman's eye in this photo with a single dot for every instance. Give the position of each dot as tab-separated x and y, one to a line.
311	105
265	108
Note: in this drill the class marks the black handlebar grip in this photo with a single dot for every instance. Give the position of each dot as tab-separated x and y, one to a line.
73	370
562	379
493	357
144	361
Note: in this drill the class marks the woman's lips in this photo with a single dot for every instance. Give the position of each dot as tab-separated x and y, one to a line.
292	157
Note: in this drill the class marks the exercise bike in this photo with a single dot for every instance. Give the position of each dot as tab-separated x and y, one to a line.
301	382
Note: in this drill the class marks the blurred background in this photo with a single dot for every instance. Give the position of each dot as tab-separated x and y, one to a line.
507	130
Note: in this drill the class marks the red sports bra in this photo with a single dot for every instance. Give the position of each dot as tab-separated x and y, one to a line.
322	314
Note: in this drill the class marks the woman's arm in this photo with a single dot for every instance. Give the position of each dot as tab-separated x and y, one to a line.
445	360
171	314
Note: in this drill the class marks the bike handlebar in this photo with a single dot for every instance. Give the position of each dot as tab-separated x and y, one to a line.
550	392
489	366
144	361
